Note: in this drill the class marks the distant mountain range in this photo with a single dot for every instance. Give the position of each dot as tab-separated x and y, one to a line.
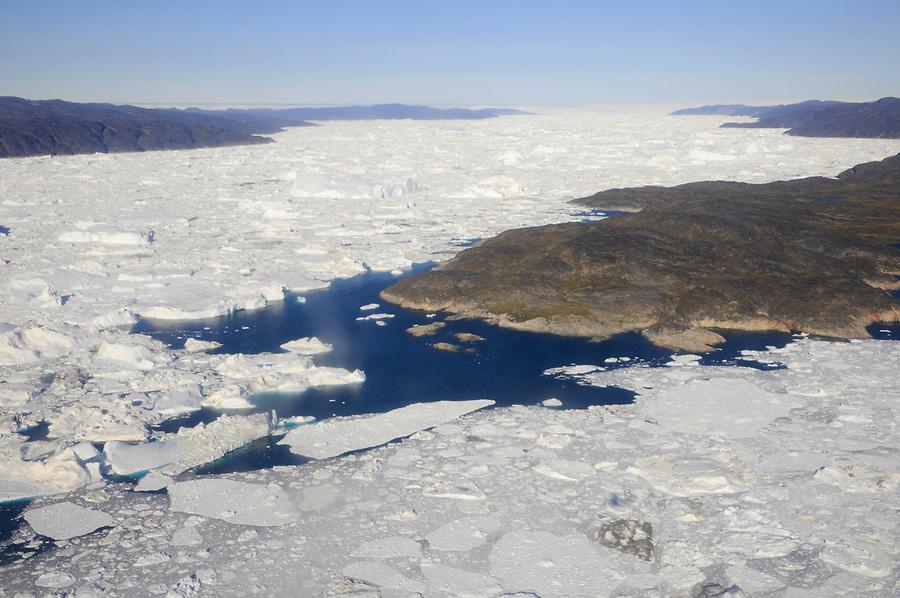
814	118
42	127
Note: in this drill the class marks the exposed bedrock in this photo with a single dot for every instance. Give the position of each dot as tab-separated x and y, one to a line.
815	255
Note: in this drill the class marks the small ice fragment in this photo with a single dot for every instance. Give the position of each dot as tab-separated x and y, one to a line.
369	306
552	402
193	345
56	580
375	317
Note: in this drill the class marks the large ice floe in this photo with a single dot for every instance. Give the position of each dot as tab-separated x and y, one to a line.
785	486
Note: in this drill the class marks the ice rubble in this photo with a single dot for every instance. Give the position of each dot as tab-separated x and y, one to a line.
118	389
337	436
802	506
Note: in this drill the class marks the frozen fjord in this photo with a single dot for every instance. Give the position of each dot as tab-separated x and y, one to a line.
95	240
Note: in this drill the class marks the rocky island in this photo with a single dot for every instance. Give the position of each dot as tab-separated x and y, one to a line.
815	255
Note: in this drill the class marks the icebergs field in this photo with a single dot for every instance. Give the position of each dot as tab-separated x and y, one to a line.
716	480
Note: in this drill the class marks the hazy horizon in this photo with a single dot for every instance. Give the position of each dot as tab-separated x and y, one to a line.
576	54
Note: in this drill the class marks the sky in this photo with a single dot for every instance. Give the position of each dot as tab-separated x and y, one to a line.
451	52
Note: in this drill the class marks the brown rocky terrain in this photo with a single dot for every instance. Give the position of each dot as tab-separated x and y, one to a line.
815	255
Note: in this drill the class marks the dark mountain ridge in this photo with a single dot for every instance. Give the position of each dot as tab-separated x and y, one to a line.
42	127
814	118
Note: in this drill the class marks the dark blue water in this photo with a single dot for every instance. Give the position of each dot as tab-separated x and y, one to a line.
401	369
888	331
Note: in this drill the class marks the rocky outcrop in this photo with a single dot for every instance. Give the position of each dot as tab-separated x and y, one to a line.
811	255
628	536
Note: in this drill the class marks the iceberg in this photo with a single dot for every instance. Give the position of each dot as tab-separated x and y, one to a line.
189	447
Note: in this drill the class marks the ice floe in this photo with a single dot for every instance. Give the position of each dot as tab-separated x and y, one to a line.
337	436
65	520
235	502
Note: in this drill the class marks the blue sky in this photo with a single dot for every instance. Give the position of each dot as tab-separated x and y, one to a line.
450	52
